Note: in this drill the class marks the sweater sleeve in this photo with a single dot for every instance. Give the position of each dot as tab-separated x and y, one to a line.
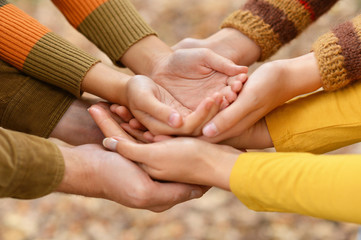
323	186
339	55
28	105
113	25
318	123
30	167
273	23
36	51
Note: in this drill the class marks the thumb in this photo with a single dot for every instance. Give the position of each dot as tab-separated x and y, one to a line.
224	65
128	149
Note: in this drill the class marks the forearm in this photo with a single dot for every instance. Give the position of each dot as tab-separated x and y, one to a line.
107	83
36	51
142	57
113	25
320	186
318	123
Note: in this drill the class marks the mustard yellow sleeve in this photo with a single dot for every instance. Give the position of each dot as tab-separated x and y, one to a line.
323	186
30	166
318	123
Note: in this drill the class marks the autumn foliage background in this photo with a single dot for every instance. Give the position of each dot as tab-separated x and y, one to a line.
218	215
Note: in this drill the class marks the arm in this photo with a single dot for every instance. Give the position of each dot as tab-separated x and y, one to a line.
117	29
32	167
260	28
333	64
322	186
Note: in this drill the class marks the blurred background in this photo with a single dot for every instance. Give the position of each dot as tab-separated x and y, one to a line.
218	215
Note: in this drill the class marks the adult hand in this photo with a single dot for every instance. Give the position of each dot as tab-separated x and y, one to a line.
227	42
268	87
94	172
187	160
191	75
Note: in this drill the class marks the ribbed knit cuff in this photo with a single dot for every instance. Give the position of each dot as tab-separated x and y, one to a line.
273	23
33	49
114	25
59	63
338	55
36	169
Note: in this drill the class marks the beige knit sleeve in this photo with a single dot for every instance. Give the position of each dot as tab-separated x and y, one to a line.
273	23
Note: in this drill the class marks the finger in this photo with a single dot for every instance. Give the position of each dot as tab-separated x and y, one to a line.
129	149
225	120
218	101
122	112
166	195
148	136
160	111
229	95
161	138
196	118
134	123
106	123
137	134
224	65
236	82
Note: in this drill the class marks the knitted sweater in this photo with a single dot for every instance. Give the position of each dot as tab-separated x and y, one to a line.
272	23
113	25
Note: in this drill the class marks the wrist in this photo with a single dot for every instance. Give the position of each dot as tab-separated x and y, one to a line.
144	56
78	175
218	167
107	83
302	73
235	46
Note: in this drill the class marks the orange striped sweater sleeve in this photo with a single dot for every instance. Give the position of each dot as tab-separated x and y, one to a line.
36	51
113	25
273	23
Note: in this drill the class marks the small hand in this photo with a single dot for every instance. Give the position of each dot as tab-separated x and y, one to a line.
269	86
161	113
191	75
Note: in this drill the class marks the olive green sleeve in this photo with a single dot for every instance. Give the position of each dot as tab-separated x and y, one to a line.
30	167
28	105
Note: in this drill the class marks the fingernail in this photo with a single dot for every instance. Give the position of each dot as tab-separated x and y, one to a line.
196	194
210	130
174	120
110	143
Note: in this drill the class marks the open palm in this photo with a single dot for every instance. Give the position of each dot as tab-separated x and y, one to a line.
191	75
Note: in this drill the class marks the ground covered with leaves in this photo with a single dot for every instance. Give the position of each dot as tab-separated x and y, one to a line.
218	215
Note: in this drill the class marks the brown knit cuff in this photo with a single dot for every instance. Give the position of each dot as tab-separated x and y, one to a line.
338	55
256	29
113	25
59	63
273	23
